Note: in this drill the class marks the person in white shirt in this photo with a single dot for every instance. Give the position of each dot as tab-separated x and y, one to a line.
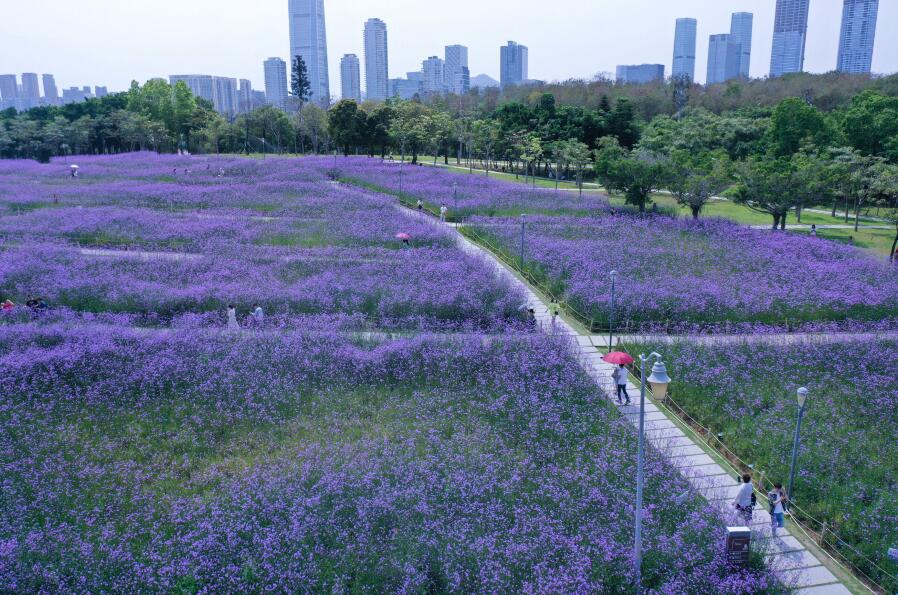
777	500
232	318
744	502
620	378
258	315
443	211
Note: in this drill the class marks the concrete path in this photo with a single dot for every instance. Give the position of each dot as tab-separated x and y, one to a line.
797	566
802	226
601	341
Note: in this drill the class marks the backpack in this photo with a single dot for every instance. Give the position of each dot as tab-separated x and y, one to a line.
772	497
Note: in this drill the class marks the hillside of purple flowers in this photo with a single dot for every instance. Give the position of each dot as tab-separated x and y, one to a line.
146	448
676	273
847	458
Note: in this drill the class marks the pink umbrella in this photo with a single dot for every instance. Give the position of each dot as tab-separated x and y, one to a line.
403	236
618	358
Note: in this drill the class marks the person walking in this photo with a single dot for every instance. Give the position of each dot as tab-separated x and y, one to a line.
813	231
553	310
443	211
258	315
621	376
232	318
777	498
420	205
7	306
744	503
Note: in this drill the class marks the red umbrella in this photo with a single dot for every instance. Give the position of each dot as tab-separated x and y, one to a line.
403	236
618	358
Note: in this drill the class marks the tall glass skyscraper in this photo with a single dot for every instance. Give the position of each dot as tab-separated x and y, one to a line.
790	32
858	34
513	64
684	49
276	82
350	78
740	32
724	58
308	38
455	70
377	66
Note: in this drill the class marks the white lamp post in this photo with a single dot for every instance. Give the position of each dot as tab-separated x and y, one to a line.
611	315
659	381
802	403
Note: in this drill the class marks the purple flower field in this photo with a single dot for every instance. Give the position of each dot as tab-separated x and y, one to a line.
848	453
682	274
148	449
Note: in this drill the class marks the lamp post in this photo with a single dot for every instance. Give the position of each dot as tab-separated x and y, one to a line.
400	175
455	198
335	159
523	226
611	315
802	403
659	381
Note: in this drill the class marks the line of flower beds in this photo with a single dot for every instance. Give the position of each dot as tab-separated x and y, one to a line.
846	465
147	449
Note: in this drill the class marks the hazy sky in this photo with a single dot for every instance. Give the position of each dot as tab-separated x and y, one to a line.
111	42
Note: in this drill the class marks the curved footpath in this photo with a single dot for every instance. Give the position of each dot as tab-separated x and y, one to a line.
797	566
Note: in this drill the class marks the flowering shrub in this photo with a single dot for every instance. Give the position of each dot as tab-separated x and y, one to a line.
700	273
846	466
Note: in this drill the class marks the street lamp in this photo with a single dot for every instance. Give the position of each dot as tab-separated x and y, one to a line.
611	316
659	381
523	226
455	197
400	175
802	403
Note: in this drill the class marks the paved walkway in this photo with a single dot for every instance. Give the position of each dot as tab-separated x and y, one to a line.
601	341
797	566
802	226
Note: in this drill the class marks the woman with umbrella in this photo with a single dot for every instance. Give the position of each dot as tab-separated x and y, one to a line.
406	239
620	374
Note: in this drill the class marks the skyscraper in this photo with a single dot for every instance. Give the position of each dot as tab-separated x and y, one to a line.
741	27
513	64
308	38
350	78
455	70
433	75
31	91
276	82
684	49
790	31
858	34
640	74
724	59
9	87
245	97
51	93
376	60
199	84
101	91
224	95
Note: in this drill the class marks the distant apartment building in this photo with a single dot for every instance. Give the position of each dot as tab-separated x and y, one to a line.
741	29
224	95
75	95
457	76
308	38
513	64
30	95
199	84
640	74
684	49
350	78
101	91
377	67
259	99
409	87
724	59
432	69
51	93
244	97
276	82
858	35
790	32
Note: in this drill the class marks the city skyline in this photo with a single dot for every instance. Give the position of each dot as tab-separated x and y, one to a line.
264	32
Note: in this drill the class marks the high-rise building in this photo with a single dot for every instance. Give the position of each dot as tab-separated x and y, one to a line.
684	49
724	59
308	38
640	74
432	68
455	70
377	66
790	32
31	92
858	34
259	99
276	82
9	91
513	64
224	95
101	91
51	93
75	95
741	27
199	84
350	78
407	88
245	97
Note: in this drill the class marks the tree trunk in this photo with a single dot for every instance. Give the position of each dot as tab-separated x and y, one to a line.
776	221
835	205
857	215
695	211
894	246
783	224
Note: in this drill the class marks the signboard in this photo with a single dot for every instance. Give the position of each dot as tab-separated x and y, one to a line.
738	546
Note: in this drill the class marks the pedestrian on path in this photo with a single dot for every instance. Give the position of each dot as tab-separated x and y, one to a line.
420	205
7	306
745	499
621	376
813	231
443	211
232	318
777	498
553	310
257	315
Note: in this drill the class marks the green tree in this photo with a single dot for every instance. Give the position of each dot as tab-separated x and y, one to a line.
342	124
578	156
697	178
871	125
776	186
794	123
635	174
